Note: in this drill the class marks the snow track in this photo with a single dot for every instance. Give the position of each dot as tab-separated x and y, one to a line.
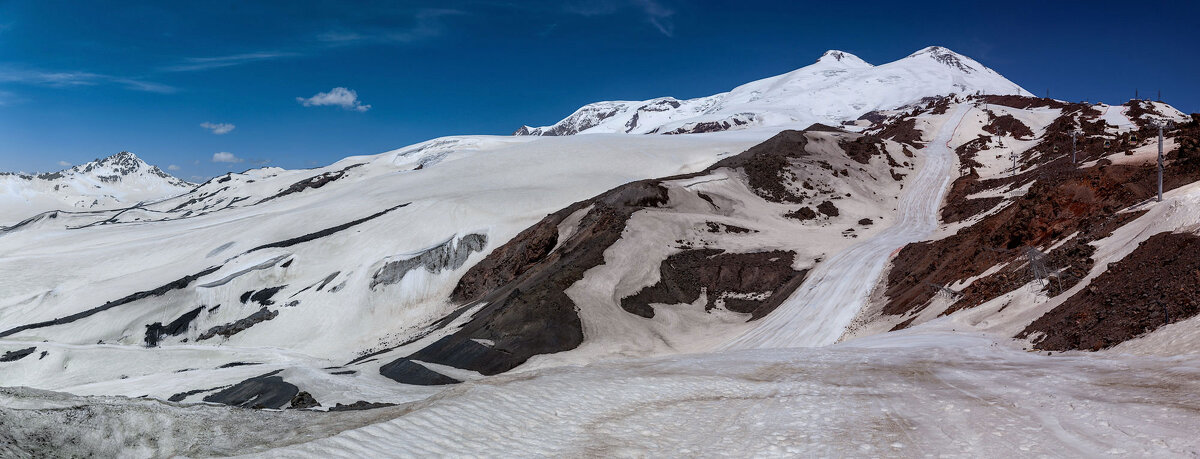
895	395
821	309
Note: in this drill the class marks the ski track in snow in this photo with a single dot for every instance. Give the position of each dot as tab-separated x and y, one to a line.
821	309
896	395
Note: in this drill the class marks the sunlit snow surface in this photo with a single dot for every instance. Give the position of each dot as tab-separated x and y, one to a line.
906	394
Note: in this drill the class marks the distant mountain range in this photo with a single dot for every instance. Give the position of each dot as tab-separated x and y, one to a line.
839	87
120	180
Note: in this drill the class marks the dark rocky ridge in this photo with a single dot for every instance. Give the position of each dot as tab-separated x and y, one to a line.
1154	285
1062	200
523	281
13	356
176	285
156	331
264	391
686	274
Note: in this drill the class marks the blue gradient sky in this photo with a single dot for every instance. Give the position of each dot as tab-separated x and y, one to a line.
81	80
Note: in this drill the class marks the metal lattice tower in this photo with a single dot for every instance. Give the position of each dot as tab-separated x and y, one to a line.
1160	124
1074	134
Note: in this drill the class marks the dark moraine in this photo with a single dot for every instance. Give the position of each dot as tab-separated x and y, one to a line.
176	285
1155	285
685	274
522	282
230	329
828	208
156	331
313	182
405	371
303	401
13	356
263	391
324	232
179	397
863	148
238	364
360	405
803	213
263	296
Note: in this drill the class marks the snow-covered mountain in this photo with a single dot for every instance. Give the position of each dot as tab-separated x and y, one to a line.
600	287
118	181
838	87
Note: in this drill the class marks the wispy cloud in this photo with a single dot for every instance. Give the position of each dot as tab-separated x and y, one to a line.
658	15
654	12
225	157
218	128
173	167
428	23
77	79
339	97
64	164
193	64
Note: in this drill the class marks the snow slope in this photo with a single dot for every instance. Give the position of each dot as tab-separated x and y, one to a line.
820	311
120	180
838	87
896	395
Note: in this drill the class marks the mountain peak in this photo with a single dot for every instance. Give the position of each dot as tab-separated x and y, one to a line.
834	56
945	56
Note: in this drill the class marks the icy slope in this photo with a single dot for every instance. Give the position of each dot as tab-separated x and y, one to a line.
820	311
838	87
896	395
893	396
295	270
120	180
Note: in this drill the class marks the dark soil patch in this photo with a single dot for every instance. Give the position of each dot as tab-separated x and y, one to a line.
313	182
1063	200
175	285
303	401
263	296
1022	102
264	391
1155	285
828	208
714	227
13	356
405	371
360	405
324	232
156	331
230	329
903	131
863	148
803	213
818	127
684	275
1007	125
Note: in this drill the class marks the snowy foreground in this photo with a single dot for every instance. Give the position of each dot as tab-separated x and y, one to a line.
903	394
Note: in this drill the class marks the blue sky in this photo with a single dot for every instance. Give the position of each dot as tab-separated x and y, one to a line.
81	80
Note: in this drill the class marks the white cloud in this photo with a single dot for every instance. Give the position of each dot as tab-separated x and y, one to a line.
64	164
339	96
218	128
172	167
225	157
